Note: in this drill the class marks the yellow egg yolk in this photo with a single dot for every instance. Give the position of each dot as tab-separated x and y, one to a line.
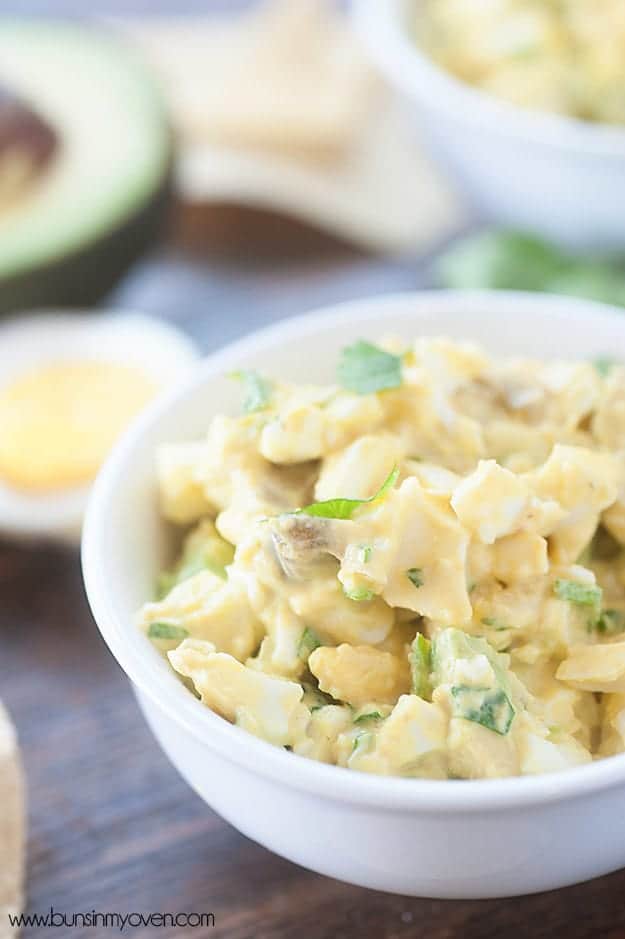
58	422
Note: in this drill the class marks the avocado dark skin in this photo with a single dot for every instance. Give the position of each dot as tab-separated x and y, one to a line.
83	277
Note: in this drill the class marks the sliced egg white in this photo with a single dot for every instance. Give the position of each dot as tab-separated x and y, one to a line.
157	350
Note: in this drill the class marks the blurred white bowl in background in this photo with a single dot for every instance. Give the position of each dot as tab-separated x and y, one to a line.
556	176
482	838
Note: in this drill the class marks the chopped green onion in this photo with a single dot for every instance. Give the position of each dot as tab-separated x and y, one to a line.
611	621
365	368
494	623
204	550
165	582
257	390
415	576
365	553
364	741
420	658
309	641
359	594
370	716
345	508
490	707
584	595
166	631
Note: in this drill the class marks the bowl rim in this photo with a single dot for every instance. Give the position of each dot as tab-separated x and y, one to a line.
168	694
380	27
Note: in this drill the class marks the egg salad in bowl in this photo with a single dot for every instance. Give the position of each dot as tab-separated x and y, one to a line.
566	57
417	571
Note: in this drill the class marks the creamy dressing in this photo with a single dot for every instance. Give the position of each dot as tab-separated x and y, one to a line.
567	57
450	600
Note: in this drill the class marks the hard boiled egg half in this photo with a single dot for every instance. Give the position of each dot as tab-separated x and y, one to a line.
70	383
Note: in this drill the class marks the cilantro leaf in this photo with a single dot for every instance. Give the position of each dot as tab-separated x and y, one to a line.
503	259
166	631
257	390
345	508
365	368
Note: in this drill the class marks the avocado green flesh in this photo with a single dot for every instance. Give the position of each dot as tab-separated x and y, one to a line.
103	194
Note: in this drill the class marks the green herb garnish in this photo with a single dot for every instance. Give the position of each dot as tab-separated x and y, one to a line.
257	390
494	623
166	631
165	582
204	550
365	368
604	365
580	594
490	707
314	699
345	508
365	553
415	576
364	741
359	594
509	259
611	621
370	716
308	642
420	658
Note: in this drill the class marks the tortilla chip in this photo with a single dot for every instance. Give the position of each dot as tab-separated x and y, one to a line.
278	110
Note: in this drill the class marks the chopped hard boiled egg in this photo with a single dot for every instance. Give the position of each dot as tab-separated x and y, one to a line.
564	57
371	577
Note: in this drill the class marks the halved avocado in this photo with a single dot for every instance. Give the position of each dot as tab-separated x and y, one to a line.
86	119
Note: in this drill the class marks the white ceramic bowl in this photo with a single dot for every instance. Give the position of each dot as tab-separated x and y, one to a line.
557	176
482	838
